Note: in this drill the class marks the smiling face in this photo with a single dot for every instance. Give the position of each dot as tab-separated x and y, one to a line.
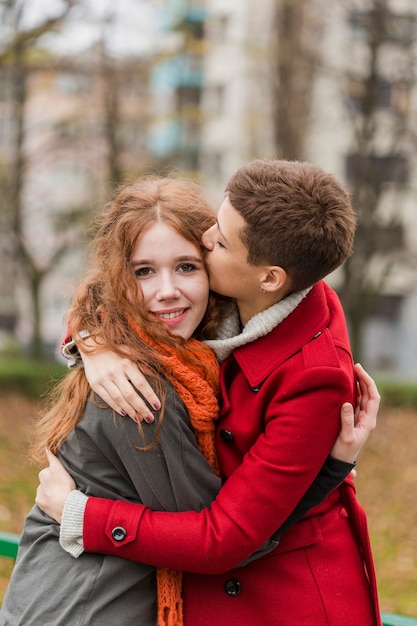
172	277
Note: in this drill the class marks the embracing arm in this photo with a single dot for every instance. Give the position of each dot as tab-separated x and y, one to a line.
116	379
120	383
104	516
355	430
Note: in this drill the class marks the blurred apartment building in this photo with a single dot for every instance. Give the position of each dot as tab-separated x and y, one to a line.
348	49
84	120
177	86
208	105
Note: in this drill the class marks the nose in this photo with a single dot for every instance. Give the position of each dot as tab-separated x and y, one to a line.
208	238
168	288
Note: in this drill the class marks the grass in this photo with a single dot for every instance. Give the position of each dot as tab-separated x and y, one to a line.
386	484
29	377
18	478
398	394
387	487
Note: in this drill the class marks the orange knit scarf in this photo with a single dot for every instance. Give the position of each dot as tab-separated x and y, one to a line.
199	395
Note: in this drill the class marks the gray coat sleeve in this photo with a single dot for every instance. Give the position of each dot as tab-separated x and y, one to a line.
102	454
51	588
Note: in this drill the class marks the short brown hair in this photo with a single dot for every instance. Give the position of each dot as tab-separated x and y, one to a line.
297	216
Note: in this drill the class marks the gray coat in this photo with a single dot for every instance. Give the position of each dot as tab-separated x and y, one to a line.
50	588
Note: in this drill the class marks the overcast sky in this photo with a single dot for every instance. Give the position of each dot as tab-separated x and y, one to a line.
134	27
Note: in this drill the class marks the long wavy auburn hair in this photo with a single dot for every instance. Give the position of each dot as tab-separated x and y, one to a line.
103	304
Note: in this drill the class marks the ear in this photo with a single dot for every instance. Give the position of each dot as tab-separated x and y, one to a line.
275	278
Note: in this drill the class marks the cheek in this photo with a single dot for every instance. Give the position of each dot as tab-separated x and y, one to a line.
216	258
144	293
201	293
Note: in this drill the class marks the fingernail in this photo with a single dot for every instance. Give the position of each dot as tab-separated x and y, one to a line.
149	419
123	413
156	405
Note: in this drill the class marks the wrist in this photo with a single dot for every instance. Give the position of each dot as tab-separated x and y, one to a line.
71	532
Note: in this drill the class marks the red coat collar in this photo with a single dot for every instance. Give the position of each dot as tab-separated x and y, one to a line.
259	358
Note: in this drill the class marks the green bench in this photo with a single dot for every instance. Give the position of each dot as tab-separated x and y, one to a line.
388	619
9	543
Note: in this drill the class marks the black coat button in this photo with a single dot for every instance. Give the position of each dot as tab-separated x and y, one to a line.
226	436
233	587
118	533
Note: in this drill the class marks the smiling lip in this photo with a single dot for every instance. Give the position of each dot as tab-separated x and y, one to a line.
170	317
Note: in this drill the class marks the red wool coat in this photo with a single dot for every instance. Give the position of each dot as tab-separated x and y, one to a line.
281	414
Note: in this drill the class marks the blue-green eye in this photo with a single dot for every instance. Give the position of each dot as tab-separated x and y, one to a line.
187	267
142	272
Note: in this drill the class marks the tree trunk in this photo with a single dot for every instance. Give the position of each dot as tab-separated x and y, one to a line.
37	350
295	64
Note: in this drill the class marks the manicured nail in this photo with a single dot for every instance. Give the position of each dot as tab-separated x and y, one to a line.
149	419
123	413
156	405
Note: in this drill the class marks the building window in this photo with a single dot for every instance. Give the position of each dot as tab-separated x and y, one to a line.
192	25
388	307
72	83
384	25
196	29
389	96
188	96
377	169
400	29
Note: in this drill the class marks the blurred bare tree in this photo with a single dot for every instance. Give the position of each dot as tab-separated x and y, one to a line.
125	105
294	70
18	43
89	136
376	92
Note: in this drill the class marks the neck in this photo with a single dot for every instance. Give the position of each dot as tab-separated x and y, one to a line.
247	310
263	301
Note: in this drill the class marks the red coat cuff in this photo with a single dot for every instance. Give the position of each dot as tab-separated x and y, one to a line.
110	525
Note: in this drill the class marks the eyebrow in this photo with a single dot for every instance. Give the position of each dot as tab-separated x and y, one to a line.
179	259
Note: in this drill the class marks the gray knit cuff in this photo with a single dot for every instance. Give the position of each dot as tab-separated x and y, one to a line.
71	533
70	351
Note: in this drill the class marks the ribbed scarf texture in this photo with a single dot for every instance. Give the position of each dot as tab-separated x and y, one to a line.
230	337
199	395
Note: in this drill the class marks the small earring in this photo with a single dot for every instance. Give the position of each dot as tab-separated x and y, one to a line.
262	290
